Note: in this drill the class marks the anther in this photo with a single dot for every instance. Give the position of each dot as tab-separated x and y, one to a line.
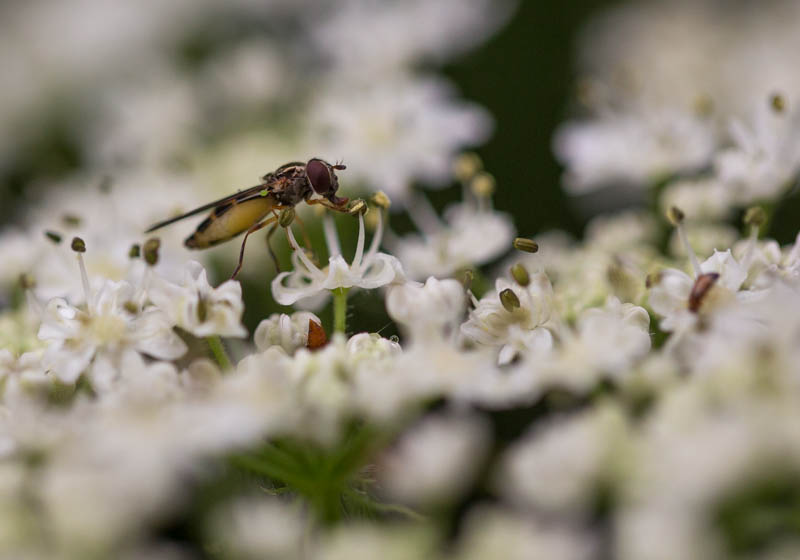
135	251
652	279
286	217
675	215
755	217
381	199
26	281
53	236
483	185
150	249
78	245
525	245
466	279
520	274
356	207
131	307
466	166
71	220
509	300
778	103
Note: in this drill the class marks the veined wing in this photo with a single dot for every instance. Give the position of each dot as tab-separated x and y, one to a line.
240	196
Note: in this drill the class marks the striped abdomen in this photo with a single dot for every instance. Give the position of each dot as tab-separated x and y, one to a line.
229	220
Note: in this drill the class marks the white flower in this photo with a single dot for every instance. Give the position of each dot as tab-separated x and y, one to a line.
701	199
669	295
765	159
638	149
427	309
97	338
563	466
369	271
289	333
526	327
435	461
473	234
401	35
395	131
197	307
606	342
259	528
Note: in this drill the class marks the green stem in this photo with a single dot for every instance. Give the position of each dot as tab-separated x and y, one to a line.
216	347
340	309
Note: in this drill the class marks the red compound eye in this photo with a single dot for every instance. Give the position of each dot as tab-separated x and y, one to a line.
319	176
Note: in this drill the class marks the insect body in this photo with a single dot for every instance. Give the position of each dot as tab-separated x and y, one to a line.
257	207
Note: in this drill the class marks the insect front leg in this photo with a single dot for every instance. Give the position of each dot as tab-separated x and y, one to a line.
253	229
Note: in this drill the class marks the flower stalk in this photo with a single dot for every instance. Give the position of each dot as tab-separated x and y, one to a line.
340	309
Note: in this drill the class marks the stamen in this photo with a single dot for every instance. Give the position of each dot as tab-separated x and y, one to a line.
331	237
359	244
424	216
675	216
377	237
302	254
79	246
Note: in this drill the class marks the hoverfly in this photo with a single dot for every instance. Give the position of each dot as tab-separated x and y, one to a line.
254	208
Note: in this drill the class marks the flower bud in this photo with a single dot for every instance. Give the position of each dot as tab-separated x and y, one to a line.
525	245
520	274
509	300
286	217
151	247
78	245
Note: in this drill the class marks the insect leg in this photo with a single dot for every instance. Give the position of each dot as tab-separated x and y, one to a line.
326	204
306	238
272	254
253	229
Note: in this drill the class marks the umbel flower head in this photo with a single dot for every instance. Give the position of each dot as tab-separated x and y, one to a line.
368	270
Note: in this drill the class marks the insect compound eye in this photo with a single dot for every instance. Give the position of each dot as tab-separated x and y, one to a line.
319	176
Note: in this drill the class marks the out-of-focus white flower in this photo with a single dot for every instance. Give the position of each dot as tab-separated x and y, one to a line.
290	333
435	461
199	308
606	342
96	339
402	35
703	238
563	467
702	199
362	541
368	270
499	533
765	159
472	234
258	528
636	149
395	131
526	325
428	309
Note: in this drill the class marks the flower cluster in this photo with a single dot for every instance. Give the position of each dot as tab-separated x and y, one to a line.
456	393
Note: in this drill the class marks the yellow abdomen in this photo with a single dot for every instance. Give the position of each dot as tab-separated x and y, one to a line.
229	220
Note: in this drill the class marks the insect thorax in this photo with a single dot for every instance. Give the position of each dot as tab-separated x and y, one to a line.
288	184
